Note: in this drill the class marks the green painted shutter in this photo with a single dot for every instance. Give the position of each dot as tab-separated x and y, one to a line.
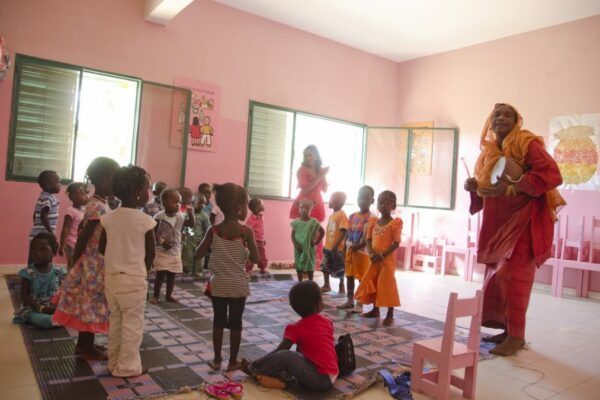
43	119
269	149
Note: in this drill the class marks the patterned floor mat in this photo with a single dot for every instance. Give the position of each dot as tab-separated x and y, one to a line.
178	343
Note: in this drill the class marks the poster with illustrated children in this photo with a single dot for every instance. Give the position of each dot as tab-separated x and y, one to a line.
202	129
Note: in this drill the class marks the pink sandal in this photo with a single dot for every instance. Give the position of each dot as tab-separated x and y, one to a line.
216	391
235	389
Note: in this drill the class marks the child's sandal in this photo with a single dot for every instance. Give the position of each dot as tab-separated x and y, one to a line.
215	391
235	389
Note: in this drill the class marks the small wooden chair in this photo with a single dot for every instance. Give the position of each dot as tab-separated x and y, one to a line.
586	266
448	354
554	257
429	258
408	240
473	227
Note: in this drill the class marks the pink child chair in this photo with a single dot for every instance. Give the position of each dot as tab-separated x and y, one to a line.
448	354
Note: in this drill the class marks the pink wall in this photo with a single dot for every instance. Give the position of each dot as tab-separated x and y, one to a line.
544	73
249	57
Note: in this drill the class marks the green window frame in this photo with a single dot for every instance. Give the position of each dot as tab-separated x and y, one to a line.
433	189
256	171
44	117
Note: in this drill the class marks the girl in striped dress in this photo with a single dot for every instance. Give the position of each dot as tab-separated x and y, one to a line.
229	243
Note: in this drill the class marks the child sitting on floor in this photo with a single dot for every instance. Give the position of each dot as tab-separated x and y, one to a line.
39	281
333	251
306	234
314	363
256	223
194	236
167	261
127	243
73	216
357	257
229	242
378	286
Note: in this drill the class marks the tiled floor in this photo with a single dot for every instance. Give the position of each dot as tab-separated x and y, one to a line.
561	363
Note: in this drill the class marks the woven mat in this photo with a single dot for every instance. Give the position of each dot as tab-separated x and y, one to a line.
178	343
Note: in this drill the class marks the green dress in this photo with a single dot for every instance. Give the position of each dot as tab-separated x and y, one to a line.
304	233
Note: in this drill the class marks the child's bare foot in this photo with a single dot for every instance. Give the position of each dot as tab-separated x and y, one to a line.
270	382
215	364
246	367
347	305
357	308
388	321
496	338
144	372
371	314
234	365
171	299
153	300
508	347
92	354
325	289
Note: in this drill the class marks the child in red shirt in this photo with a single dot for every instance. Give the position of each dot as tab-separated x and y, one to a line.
315	363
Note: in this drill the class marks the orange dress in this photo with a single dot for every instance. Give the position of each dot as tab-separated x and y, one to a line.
378	286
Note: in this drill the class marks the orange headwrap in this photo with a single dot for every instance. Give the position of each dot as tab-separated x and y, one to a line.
515	146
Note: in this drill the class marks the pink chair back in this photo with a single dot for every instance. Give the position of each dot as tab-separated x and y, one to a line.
458	308
574	236
474	227
555	251
595	240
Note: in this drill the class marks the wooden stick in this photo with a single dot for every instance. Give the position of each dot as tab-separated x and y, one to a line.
466	166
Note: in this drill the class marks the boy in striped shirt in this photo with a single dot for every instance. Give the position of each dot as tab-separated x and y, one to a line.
45	214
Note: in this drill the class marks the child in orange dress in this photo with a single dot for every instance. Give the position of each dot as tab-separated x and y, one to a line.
378	286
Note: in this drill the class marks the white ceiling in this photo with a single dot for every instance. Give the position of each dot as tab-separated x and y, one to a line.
401	30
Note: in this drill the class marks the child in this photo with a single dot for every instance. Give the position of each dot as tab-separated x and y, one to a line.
127	243
39	282
154	207
333	251
229	243
256	223
80	301
216	215
167	261
306	234
194	236
314	363
357	258
378	286
45	213
78	195
186	199
206	190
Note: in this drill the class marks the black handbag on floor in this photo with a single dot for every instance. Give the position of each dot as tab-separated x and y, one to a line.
345	354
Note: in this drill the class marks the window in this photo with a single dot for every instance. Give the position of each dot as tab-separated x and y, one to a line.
63	116
356	155
277	138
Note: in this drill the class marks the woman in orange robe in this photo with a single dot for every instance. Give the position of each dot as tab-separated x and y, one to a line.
518	221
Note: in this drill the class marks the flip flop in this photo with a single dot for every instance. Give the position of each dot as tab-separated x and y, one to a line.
397	386
215	391
235	389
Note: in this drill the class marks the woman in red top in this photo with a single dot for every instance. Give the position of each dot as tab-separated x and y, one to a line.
311	182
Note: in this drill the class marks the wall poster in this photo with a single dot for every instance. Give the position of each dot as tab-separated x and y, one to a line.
574	142
203	128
